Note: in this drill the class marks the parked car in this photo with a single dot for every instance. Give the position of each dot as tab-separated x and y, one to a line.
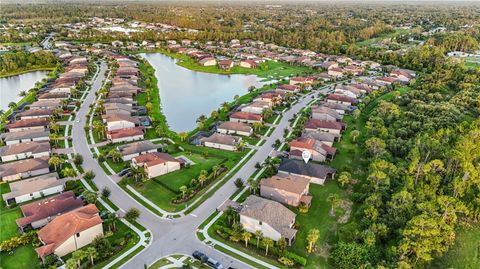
124	172
200	256
214	263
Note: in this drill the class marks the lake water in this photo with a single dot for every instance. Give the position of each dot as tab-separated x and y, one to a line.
187	94
10	87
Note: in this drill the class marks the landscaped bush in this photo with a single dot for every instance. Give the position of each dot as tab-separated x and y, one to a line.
296	258
19	240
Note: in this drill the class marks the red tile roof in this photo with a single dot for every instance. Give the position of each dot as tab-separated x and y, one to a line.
245	116
125	132
342	98
315	124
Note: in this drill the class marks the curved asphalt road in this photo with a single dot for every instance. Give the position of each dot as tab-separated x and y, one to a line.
175	235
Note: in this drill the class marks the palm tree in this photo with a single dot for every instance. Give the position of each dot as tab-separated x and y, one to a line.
354	134
259	236
69	172
74	92
257	126
99	128
57	113
254	186
214	115
225	106
64	103
250	182
79	255
251	88
54	126
183	136
183	189
92	253
56	162
54	138
138	172
267	242
71	263
246	237
240	146
202	177
159	130
333	199
231	215
267	113
111	221
312	238
115	155
215	170
12	105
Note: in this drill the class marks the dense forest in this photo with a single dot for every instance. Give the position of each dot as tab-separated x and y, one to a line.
17	62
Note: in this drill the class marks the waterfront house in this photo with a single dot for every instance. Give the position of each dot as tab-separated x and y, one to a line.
70	232
256	107
221	141
237	128
301	81
34	114
270	217
245	117
288	88
248	64
207	61
46	104
225	64
24	136
38	124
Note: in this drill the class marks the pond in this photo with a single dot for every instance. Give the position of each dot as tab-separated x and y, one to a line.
187	94
10	87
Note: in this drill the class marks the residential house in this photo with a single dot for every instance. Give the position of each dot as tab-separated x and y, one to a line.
245	117
46	104
325	113
37	214
290	190
24	136
325	138
221	141
316	173
33	188
24	150
157	164
336	72
237	128
340	108
341	99
53	96
119	121
386	81
207	61
39	124
134	149
288	88
270	217
248	64
34	114
225	64
125	135
274	98
403	75
24	169
70	232
324	126
319	151
256	107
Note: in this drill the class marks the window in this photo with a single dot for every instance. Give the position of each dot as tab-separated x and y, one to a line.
260	222
78	234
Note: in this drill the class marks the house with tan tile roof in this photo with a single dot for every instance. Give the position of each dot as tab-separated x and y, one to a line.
34	114
39	124
70	232
46	104
341	99
271	217
325	113
324	126
134	149
119	121
24	150
24	169
316	173
157	163
237	128
37	214
290	190
24	136
284	88
125	135
245	117
33	188
256	107
221	141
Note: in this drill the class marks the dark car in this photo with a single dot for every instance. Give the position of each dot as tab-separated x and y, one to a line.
124	172
200	256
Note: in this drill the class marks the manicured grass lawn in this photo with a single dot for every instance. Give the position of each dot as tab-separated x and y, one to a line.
4	188
465	254
8	227
318	218
23	257
160	263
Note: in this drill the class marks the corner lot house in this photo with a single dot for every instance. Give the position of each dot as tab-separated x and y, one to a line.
37	214
238	128
33	188
157	164
25	136
24	150
24	168
270	217
316	173
70	231
290	190
221	141
137	148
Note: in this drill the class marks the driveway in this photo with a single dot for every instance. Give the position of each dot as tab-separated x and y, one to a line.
173	235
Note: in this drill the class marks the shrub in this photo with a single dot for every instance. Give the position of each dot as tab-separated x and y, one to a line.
296	258
89	175
239	183
19	240
286	261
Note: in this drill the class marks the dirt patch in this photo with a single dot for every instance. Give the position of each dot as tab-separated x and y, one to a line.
346	205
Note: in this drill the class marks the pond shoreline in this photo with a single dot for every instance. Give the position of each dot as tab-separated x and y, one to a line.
27	71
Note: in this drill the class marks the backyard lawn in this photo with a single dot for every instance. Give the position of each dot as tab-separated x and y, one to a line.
8	224
4	188
465	254
23	257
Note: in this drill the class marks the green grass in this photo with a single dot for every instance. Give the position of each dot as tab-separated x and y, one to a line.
389	36
158	264
318	218
269	69
465	254
23	257
4	188
7	223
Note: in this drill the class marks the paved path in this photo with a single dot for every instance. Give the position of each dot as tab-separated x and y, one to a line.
173	235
